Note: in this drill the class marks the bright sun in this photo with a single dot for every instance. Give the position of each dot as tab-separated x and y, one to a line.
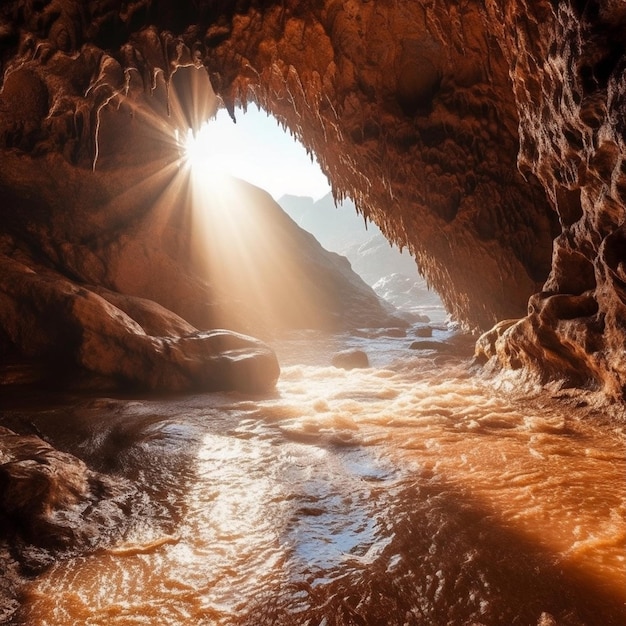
202	151
255	149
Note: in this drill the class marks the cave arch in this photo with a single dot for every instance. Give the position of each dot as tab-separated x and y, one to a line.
424	113
430	178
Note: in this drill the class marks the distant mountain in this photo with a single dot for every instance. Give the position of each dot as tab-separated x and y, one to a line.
275	273
391	273
337	228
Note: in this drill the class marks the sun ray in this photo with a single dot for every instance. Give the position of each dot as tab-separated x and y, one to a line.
234	236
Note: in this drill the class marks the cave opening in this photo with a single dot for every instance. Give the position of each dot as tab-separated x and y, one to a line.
257	149
250	145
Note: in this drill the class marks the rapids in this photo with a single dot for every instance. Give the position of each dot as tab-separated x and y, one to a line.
412	492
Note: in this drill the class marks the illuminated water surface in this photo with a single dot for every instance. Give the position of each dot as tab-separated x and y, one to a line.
412	492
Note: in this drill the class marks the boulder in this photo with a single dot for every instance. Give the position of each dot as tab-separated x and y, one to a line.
52	319
423	331
350	359
50	499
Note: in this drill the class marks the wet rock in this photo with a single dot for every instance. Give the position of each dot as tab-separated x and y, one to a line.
350	359
533	344
439	346
228	360
423	331
485	347
52	501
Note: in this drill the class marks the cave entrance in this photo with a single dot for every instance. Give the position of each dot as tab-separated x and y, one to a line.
257	149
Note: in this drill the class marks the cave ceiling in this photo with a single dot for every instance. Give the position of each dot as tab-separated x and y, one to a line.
484	136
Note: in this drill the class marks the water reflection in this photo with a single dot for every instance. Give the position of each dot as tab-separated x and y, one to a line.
406	493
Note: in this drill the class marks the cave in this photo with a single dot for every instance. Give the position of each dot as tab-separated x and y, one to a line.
485	137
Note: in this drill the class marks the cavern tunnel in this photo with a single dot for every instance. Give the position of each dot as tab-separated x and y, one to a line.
486	137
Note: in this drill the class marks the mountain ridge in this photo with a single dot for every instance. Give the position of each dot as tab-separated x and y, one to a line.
392	273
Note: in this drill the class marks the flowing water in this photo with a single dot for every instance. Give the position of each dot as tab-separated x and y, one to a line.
411	492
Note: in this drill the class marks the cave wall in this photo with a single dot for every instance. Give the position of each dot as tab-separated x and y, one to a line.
474	133
408	107
567	69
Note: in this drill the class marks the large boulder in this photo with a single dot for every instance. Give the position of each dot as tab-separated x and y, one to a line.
48	318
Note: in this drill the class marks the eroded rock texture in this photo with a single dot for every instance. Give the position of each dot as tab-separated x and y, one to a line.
474	133
567	69
52	503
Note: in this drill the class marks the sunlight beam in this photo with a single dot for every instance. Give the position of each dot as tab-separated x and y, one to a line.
200	152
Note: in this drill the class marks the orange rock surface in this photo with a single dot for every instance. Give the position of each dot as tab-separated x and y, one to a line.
476	134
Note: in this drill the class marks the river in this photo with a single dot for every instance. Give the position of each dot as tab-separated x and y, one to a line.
416	491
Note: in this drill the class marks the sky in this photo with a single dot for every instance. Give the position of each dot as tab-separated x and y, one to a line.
258	150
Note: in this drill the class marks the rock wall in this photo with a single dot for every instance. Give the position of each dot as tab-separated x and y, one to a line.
567	69
473	133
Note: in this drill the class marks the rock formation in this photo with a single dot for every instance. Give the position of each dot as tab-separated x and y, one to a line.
473	133
52	503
